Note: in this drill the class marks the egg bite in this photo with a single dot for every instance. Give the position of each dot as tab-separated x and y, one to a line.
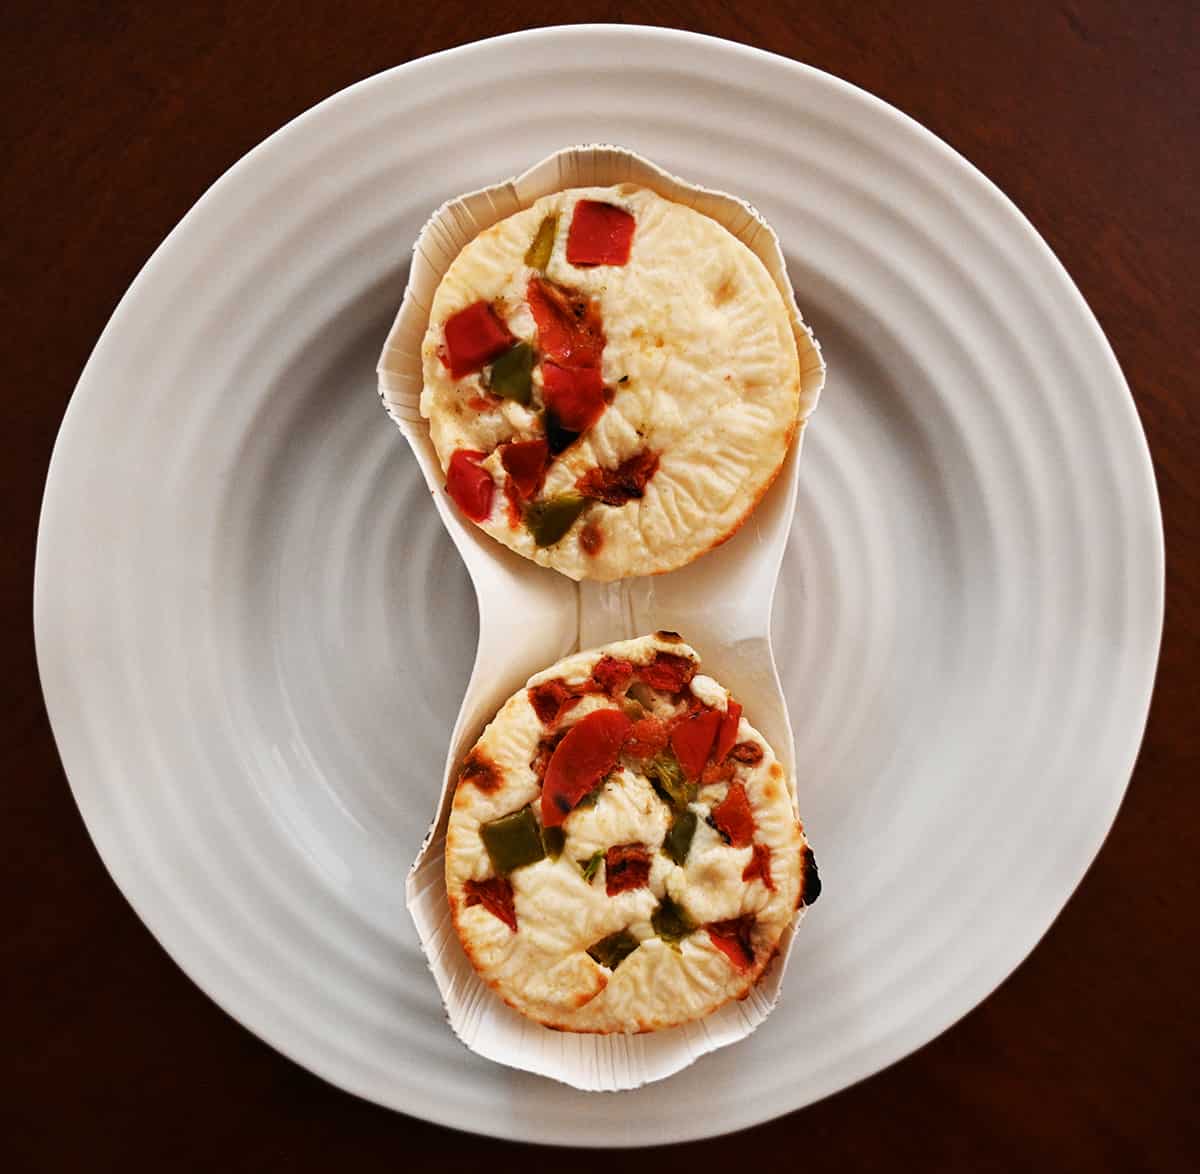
612	382
623	852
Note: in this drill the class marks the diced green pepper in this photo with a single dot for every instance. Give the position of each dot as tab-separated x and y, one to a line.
614	949
550	519
668	779
512	374
553	841
513	840
633	710
670	921
679	836
537	256
589	866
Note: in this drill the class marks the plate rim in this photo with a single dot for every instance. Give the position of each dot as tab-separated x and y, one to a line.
42	587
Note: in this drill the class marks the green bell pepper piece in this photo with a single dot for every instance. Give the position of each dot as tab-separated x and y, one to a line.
678	840
513	840
512	374
537	256
550	519
614	949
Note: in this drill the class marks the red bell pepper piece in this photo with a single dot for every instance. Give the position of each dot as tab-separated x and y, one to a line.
734	817
474	337
600	234
692	739
728	732
626	866
471	487
732	938
574	394
525	462
496	895
580	761
759	866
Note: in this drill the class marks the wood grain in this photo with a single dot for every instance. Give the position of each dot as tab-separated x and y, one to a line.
118	115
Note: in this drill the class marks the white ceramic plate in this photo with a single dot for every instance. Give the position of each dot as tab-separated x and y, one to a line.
253	631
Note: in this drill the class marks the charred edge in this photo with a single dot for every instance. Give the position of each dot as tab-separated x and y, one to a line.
811	888
668	637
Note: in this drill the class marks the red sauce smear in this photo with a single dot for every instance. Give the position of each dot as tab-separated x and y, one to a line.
667	672
591	539
647	736
600	234
470	487
759	866
474	337
626	482
611	674
496	895
626	866
728	732
692	739
734	817
587	753
525	462
551	699
732	938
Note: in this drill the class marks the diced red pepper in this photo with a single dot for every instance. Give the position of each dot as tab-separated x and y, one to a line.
667	672
692	739
759	866
748	752
551	699
496	895
582	759
525	462
474	337
600	234
647	736
728	732
470	487
574	394
732	938
513	497
626	482
734	817
612	674
545	751
626	866
570	332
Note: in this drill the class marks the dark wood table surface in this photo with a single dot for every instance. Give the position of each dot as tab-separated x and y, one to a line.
117	116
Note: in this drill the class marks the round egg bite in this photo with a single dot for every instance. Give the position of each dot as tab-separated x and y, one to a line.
612	382
623	852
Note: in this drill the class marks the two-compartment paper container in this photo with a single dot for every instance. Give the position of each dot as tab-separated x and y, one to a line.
583	614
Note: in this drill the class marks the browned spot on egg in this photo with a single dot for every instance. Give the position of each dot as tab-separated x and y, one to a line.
481	771
591	539
725	290
776	771
770	792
